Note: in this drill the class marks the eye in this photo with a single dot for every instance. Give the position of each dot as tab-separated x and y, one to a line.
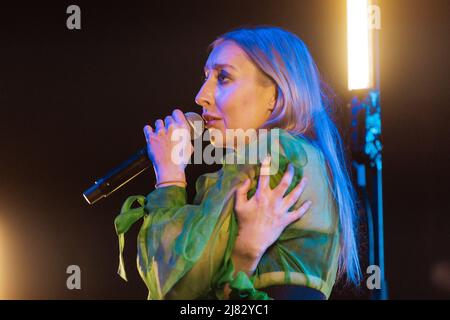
223	76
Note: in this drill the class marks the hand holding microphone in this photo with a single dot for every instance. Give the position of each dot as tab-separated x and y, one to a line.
169	148
169	157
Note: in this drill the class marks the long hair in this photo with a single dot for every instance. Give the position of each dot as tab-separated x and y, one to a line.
302	108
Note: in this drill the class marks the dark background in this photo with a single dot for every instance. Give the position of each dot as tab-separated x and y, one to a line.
73	105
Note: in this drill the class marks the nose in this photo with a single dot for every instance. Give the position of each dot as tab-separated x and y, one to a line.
204	96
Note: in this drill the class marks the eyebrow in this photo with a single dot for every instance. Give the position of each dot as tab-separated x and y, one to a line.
217	66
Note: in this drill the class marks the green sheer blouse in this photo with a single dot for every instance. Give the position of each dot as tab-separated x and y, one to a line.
184	250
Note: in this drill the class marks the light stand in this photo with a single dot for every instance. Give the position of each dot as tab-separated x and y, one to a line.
363	72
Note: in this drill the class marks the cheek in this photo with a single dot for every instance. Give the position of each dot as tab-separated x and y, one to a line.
242	111
229	102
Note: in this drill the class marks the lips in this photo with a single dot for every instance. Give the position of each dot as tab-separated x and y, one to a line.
209	118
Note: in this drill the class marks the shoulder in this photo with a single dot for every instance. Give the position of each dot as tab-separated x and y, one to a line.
295	148
301	150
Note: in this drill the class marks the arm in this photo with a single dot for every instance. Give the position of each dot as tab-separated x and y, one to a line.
262	219
243	260
248	264
167	202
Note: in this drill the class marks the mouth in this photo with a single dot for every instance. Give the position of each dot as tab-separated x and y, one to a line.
210	123
210	119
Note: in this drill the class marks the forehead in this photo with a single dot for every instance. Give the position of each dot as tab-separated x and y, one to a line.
228	53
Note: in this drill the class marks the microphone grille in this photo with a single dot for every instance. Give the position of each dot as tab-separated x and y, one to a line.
196	123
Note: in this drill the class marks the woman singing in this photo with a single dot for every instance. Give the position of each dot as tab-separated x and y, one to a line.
289	234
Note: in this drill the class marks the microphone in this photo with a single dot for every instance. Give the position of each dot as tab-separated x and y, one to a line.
134	166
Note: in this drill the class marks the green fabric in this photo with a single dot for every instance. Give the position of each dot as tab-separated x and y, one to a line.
184	250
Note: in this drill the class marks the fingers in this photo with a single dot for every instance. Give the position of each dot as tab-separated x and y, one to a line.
295	194
241	192
286	180
159	125
176	117
148	130
179	117
264	177
300	212
168	121
181	120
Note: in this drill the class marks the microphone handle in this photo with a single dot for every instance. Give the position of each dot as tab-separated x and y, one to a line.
134	166
118	176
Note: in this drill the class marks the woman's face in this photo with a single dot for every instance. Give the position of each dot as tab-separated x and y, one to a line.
236	94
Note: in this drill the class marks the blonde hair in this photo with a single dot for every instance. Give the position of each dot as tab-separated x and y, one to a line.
302	108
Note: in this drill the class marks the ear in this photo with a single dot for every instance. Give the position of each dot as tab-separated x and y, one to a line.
272	102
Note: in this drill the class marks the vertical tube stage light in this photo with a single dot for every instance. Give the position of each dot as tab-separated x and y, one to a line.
363	25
